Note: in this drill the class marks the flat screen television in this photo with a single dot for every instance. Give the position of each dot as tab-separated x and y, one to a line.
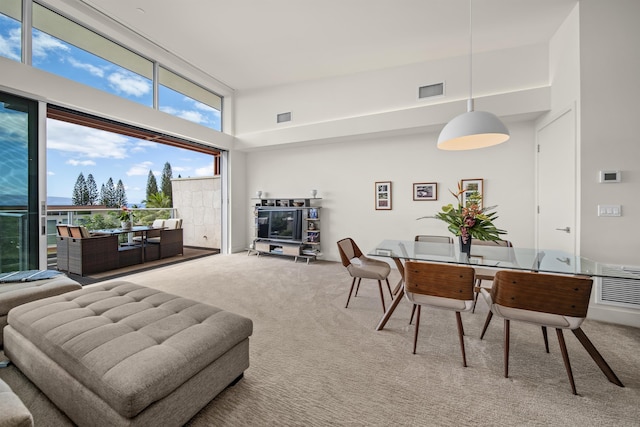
280	225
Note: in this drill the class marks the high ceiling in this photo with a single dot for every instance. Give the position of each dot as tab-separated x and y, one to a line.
249	44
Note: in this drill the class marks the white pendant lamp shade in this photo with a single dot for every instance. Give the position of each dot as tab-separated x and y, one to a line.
471	130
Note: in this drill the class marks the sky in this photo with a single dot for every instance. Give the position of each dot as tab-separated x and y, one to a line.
73	149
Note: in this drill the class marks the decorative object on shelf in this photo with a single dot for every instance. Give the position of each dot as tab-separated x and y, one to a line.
125	225
469	220
473	129
259	194
383	195
470	186
314	193
425	191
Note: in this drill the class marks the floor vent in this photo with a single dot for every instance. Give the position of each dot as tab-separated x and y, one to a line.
620	292
284	117
431	90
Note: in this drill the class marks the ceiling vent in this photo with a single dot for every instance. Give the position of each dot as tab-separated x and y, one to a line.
284	117
431	90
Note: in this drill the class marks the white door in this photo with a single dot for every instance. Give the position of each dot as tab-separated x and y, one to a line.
557	189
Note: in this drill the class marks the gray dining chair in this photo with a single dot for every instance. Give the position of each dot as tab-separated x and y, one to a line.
546	300
361	267
485	275
441	286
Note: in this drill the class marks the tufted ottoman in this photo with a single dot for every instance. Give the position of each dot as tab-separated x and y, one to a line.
123	354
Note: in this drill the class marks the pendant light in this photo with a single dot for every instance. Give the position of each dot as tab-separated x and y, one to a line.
473	129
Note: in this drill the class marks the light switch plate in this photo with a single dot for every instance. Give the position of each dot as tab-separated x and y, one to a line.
609	210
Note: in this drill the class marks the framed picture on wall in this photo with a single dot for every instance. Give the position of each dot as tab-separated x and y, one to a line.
469	187
425	191
383	195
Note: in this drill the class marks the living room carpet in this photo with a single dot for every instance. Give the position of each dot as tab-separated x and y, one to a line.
316	363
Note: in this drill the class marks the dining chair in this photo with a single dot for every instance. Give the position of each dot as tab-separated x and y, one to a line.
361	267
429	238
434	239
442	286
546	300
484	274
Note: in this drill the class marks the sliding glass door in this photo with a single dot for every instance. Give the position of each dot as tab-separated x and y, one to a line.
18	183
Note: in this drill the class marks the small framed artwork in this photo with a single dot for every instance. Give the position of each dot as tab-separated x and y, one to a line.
383	195
425	191
469	187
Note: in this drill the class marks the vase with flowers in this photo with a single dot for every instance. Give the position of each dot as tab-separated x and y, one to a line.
469	220
125	216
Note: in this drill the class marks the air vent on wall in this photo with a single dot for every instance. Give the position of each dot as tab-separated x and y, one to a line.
620	292
431	90
284	117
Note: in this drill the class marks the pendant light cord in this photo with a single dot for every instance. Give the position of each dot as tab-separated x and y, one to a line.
470	106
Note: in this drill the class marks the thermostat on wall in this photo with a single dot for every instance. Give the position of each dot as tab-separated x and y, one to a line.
609	176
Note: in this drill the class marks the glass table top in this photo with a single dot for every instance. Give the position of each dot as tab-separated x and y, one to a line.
543	261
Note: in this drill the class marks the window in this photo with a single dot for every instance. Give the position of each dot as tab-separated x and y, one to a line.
18	184
180	97
10	28
65	48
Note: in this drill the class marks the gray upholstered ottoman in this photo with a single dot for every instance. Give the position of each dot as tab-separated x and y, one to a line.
12	294
122	354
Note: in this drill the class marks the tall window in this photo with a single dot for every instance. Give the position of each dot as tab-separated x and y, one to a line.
182	98
63	47
10	37
18	184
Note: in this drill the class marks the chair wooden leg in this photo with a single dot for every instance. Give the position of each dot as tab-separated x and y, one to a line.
565	357
389	287
506	348
413	311
415	336
381	296
461	337
546	338
358	286
353	282
486	323
476	291
596	356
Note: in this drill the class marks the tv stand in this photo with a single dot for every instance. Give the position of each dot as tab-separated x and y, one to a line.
307	231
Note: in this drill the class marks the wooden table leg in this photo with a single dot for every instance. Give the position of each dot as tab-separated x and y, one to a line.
596	356
399	292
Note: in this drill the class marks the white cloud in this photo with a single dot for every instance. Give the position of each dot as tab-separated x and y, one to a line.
74	162
140	169
85	142
44	43
10	47
129	83
205	171
50	173
193	116
96	71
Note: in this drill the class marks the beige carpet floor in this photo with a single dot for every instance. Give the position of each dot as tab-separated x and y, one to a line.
315	363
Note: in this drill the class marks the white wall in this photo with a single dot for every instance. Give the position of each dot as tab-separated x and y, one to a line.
510	83
344	174
609	90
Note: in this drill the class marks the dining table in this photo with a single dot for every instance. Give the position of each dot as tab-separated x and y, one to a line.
501	258
142	230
